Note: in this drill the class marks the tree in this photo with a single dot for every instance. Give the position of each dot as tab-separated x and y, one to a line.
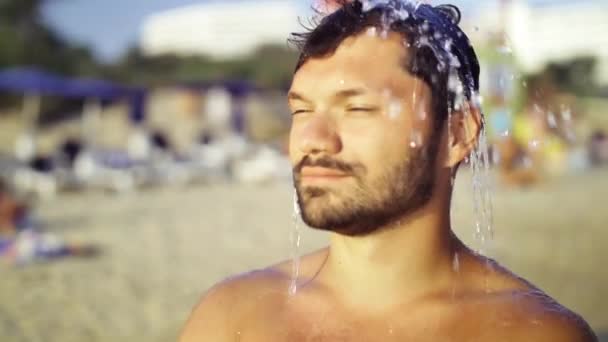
25	39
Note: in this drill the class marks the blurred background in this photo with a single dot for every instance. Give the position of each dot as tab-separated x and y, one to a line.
143	155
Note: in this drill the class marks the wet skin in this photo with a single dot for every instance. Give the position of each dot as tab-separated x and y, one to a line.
482	304
410	279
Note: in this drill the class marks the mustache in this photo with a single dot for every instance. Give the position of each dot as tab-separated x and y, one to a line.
326	162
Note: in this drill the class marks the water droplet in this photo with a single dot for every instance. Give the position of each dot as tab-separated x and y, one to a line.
295	246
416	139
422	115
394	109
415	94
454	83
478	101
456	263
367	5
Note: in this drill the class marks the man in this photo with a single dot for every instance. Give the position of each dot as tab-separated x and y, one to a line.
384	110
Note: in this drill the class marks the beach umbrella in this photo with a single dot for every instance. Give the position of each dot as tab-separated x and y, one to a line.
32	82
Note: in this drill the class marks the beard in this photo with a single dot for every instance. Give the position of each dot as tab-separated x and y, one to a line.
370	204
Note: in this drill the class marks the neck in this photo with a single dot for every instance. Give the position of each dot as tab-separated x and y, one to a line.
404	261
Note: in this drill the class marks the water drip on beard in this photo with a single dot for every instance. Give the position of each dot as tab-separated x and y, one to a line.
294	239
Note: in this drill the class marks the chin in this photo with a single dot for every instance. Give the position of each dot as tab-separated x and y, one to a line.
332	218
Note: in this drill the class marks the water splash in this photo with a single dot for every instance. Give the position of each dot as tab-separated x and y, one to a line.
482	199
295	238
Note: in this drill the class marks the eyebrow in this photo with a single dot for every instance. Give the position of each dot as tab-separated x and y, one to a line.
295	96
339	95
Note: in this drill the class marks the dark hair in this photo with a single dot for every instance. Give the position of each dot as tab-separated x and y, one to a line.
438	48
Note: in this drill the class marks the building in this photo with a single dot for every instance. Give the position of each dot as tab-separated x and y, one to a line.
225	29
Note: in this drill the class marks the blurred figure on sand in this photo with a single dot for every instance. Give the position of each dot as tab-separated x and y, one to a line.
21	242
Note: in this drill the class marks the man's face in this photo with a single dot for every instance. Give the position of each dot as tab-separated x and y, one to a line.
360	136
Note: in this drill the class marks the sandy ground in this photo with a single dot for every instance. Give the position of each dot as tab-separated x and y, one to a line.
164	247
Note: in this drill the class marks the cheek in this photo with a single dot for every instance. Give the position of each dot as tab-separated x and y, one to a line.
376	141
293	143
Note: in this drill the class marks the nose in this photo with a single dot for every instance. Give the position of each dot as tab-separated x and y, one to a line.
319	135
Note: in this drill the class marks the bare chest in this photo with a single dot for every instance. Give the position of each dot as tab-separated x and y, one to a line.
330	325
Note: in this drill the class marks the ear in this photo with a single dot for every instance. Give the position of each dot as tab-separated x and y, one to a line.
464	127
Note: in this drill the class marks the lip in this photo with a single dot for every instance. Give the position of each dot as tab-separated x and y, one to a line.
321	173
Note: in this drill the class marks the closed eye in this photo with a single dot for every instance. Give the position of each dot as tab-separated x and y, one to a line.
300	111
361	109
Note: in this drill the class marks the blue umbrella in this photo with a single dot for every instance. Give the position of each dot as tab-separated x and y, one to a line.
31	80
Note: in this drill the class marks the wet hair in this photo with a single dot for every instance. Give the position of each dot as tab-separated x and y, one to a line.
439	51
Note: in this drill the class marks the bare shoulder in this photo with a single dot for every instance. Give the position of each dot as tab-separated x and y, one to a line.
534	316
229	304
516	310
216	317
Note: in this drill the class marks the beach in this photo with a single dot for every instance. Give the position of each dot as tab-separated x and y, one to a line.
162	248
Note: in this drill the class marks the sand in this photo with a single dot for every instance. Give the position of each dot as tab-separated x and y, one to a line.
163	247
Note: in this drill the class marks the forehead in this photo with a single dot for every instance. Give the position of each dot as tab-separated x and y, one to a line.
367	60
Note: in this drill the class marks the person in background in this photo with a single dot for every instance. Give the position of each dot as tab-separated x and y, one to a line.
598	148
21	242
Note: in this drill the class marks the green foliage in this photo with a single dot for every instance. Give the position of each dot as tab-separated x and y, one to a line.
575	76
269	66
25	39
